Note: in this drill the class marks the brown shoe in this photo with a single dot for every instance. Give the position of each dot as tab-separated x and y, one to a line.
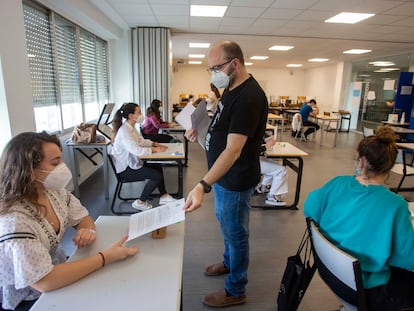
216	269
220	299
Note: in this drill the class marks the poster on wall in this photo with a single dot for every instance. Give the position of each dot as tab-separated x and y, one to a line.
389	85
406	90
356	93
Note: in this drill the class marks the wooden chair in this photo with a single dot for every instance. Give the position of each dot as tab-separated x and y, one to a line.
339	270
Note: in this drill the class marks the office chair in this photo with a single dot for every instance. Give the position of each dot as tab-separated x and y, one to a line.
339	270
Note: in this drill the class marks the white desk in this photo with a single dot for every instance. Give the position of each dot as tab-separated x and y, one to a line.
323	118
150	281
74	163
175	152
179	129
273	118
287	152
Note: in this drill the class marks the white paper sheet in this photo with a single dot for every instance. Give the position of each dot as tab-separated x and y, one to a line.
184	117
155	218
201	121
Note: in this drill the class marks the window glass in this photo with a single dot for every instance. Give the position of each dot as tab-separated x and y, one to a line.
68	70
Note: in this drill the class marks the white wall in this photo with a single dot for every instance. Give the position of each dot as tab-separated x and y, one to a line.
13	54
321	83
120	72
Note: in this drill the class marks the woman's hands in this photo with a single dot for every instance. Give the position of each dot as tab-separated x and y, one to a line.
84	237
119	251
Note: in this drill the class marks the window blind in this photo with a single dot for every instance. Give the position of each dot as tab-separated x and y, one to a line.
39	50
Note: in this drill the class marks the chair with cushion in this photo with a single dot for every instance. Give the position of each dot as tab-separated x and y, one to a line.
299	129
339	270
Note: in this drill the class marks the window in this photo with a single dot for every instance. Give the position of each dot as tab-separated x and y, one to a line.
68	70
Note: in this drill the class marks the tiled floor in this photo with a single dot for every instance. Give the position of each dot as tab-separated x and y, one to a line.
275	234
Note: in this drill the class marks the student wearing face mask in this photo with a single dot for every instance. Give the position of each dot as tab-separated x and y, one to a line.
128	146
360	215
153	123
35	211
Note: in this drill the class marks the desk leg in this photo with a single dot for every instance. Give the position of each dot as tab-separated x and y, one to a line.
180	179
74	166
105	170
322	130
185	150
282	130
299	171
336	132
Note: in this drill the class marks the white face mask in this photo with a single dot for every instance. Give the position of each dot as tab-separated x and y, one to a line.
220	79
58	178
140	119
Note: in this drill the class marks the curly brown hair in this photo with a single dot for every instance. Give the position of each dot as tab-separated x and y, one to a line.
18	161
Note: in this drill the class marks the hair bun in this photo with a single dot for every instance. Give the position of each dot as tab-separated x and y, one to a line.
385	134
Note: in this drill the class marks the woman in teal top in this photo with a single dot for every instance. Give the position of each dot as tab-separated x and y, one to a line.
362	217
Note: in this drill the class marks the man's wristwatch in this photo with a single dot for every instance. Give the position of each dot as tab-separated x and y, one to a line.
206	186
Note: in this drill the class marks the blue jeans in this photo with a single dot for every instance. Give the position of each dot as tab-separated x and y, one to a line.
232	212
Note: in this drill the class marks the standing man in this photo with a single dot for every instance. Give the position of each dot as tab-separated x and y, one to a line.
306	110
233	144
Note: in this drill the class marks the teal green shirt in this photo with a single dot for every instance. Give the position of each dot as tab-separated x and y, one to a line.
369	222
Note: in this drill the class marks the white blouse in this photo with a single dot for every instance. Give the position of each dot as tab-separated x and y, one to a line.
127	148
29	246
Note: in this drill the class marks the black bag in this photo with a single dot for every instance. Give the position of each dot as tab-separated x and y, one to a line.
299	271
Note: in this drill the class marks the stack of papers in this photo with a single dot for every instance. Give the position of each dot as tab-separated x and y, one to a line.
197	118
155	218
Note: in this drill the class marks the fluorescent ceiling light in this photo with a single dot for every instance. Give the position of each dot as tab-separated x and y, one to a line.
387	69
318	60
199	45
281	48
364	76
294	65
356	51
195	62
381	63
196	56
248	63
208	10
348	18
259	57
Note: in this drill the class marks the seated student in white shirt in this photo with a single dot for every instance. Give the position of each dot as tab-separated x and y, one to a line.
273	174
128	146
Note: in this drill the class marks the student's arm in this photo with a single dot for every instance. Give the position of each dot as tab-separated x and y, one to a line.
86	234
235	144
70	272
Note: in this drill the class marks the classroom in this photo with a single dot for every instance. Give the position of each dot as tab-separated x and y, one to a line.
352	91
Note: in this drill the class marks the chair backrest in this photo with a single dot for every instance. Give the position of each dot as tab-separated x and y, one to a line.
102	125
366	131
339	270
297	122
